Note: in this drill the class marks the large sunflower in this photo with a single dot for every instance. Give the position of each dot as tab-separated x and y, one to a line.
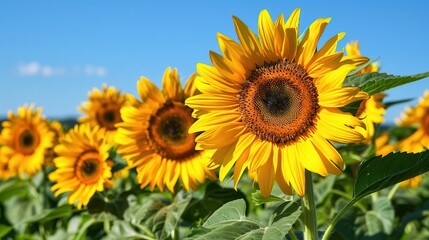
154	135
271	103
371	110
103	109
25	137
81	166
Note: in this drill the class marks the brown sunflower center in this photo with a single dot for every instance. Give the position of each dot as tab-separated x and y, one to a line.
169	131
27	140
89	167
108	115
279	102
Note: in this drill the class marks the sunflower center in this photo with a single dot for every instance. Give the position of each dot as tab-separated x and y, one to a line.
169	131
279	102
108	116
27	140
89	167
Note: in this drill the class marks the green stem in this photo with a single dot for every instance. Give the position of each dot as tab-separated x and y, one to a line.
309	209
292	234
338	217
393	191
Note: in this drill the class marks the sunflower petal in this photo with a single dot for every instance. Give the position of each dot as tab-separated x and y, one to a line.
339	126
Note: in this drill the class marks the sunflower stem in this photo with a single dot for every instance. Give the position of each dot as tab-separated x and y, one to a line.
309	209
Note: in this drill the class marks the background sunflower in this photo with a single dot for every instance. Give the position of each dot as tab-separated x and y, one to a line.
154	136
81	166
25	138
103	109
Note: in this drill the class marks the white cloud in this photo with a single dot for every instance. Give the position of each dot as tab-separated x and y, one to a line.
37	69
93	70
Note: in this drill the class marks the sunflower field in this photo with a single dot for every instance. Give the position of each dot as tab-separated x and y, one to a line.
278	137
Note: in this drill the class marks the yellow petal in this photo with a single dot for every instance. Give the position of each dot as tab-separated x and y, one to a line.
266	35
339	126
249	41
266	177
148	91
190	87
260	153
171	85
294	170
339	97
307	47
331	158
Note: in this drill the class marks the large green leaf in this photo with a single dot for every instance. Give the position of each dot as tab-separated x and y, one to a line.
282	220
380	218
164	222
374	82
214	197
230	222
13	188
49	214
381	172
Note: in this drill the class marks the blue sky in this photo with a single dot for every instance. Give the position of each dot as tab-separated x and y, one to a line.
52	53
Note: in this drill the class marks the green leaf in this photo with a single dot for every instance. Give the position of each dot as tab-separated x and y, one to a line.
4	229
282	220
85	224
393	103
259	199
12	188
230	222
214	197
140	213
167	218
380	218
323	188
123	230
381	172
375	82
233	210
49	214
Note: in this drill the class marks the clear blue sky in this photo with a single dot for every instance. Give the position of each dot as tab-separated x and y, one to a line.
53	53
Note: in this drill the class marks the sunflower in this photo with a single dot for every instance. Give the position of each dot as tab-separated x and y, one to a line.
271	103
103	109
154	136
25	137
81	166
371	110
417	116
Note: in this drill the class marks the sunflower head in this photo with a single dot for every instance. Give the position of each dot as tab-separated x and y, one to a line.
154	136
25	138
103	109
81	166
271	103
